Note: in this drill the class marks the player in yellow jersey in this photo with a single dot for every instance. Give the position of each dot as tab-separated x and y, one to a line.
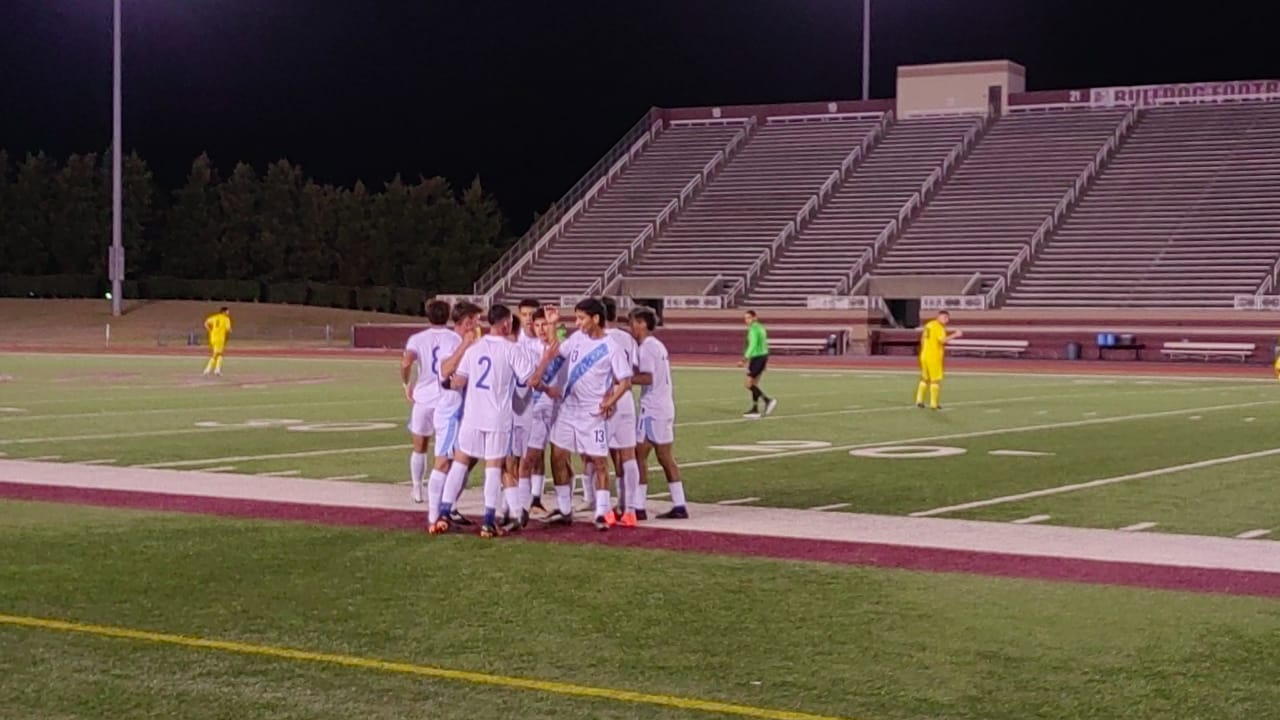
218	325
1277	367
933	344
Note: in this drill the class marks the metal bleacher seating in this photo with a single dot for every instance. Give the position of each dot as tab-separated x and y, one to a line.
871	197
1187	213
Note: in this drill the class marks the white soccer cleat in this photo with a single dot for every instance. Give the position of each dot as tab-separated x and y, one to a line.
768	409
416	493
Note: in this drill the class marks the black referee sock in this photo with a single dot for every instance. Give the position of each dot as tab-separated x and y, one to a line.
755	396
764	397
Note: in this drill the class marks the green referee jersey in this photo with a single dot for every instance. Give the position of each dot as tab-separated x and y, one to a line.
757	341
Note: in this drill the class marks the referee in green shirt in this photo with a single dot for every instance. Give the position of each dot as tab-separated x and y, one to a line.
756	357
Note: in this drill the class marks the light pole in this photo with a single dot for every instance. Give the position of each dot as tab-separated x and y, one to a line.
866	49
116	257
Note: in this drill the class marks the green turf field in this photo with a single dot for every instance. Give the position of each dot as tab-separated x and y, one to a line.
765	635
345	419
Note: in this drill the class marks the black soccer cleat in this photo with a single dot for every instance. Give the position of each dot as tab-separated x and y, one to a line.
459	519
642	515
537	503
558	519
601	524
678	512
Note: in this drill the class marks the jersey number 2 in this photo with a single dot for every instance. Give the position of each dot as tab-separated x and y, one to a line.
484	376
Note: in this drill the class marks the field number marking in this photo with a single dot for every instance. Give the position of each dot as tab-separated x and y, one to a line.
908	452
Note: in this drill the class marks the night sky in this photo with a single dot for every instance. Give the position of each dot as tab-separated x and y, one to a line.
529	94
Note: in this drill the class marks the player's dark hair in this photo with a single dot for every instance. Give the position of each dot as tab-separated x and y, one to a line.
751	313
515	324
540	314
438	312
610	308
223	309
464	310
498	313
591	306
944	312
529	302
646	315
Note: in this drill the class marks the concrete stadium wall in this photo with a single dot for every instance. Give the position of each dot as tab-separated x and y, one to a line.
1051	344
957	86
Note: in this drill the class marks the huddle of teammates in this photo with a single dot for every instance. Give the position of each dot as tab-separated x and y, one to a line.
503	397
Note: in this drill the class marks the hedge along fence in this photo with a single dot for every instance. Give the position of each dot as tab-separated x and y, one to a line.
380	298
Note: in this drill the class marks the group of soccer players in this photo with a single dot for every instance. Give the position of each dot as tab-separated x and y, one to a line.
500	397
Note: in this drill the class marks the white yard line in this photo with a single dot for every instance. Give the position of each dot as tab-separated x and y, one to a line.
220	468
978	433
1138	527
835	506
658	496
739	501
274	456
163	433
339	478
102	461
1097	483
1031	520
190	409
280	473
1251	534
44	457
968	403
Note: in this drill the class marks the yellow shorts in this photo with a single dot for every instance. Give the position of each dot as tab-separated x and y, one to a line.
216	346
930	369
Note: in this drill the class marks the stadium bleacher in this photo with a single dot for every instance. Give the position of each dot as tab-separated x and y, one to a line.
741	214
872	197
1187	213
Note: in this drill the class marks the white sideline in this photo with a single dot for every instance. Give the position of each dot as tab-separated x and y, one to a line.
1097	483
167	411
275	456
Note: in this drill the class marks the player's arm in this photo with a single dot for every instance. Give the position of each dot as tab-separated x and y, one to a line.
644	370
208	324
407	359
621	386
451	363
458	376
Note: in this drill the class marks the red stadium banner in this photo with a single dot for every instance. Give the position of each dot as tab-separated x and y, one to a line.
1180	93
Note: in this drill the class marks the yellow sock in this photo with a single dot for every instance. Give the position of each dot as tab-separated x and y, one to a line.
208	367
217	364
934	391
920	392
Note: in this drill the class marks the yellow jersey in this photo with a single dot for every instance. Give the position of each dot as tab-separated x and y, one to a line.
933	340
218	325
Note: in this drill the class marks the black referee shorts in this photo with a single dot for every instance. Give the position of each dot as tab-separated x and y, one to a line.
756	366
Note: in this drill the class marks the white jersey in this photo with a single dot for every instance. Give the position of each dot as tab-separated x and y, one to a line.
523	399
594	366
657	399
626	344
556	375
426	347
448	402
492	367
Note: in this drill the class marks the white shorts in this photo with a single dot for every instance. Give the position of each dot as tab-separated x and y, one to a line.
589	436
519	437
422	419
540	422
484	444
657	431
447	438
622	430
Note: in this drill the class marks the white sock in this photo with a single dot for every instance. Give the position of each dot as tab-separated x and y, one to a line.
631	481
677	492
589	483
524	493
417	468
435	491
642	492
492	488
454	481
539	482
514	505
564	499
602	503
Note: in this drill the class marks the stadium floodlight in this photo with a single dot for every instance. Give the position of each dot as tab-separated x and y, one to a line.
866	49
115	262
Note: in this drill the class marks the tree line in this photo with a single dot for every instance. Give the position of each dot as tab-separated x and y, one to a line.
275	236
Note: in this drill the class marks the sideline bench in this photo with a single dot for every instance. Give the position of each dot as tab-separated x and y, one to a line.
1184	350
816	345
1012	348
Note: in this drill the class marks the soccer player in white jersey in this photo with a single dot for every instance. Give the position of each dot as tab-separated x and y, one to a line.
423	351
598	377
657	412
546	400
522	412
448	415
489	370
622	425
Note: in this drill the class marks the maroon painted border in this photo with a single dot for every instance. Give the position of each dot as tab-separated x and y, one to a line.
1201	580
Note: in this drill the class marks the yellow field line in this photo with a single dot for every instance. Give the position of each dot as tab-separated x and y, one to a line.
545	686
